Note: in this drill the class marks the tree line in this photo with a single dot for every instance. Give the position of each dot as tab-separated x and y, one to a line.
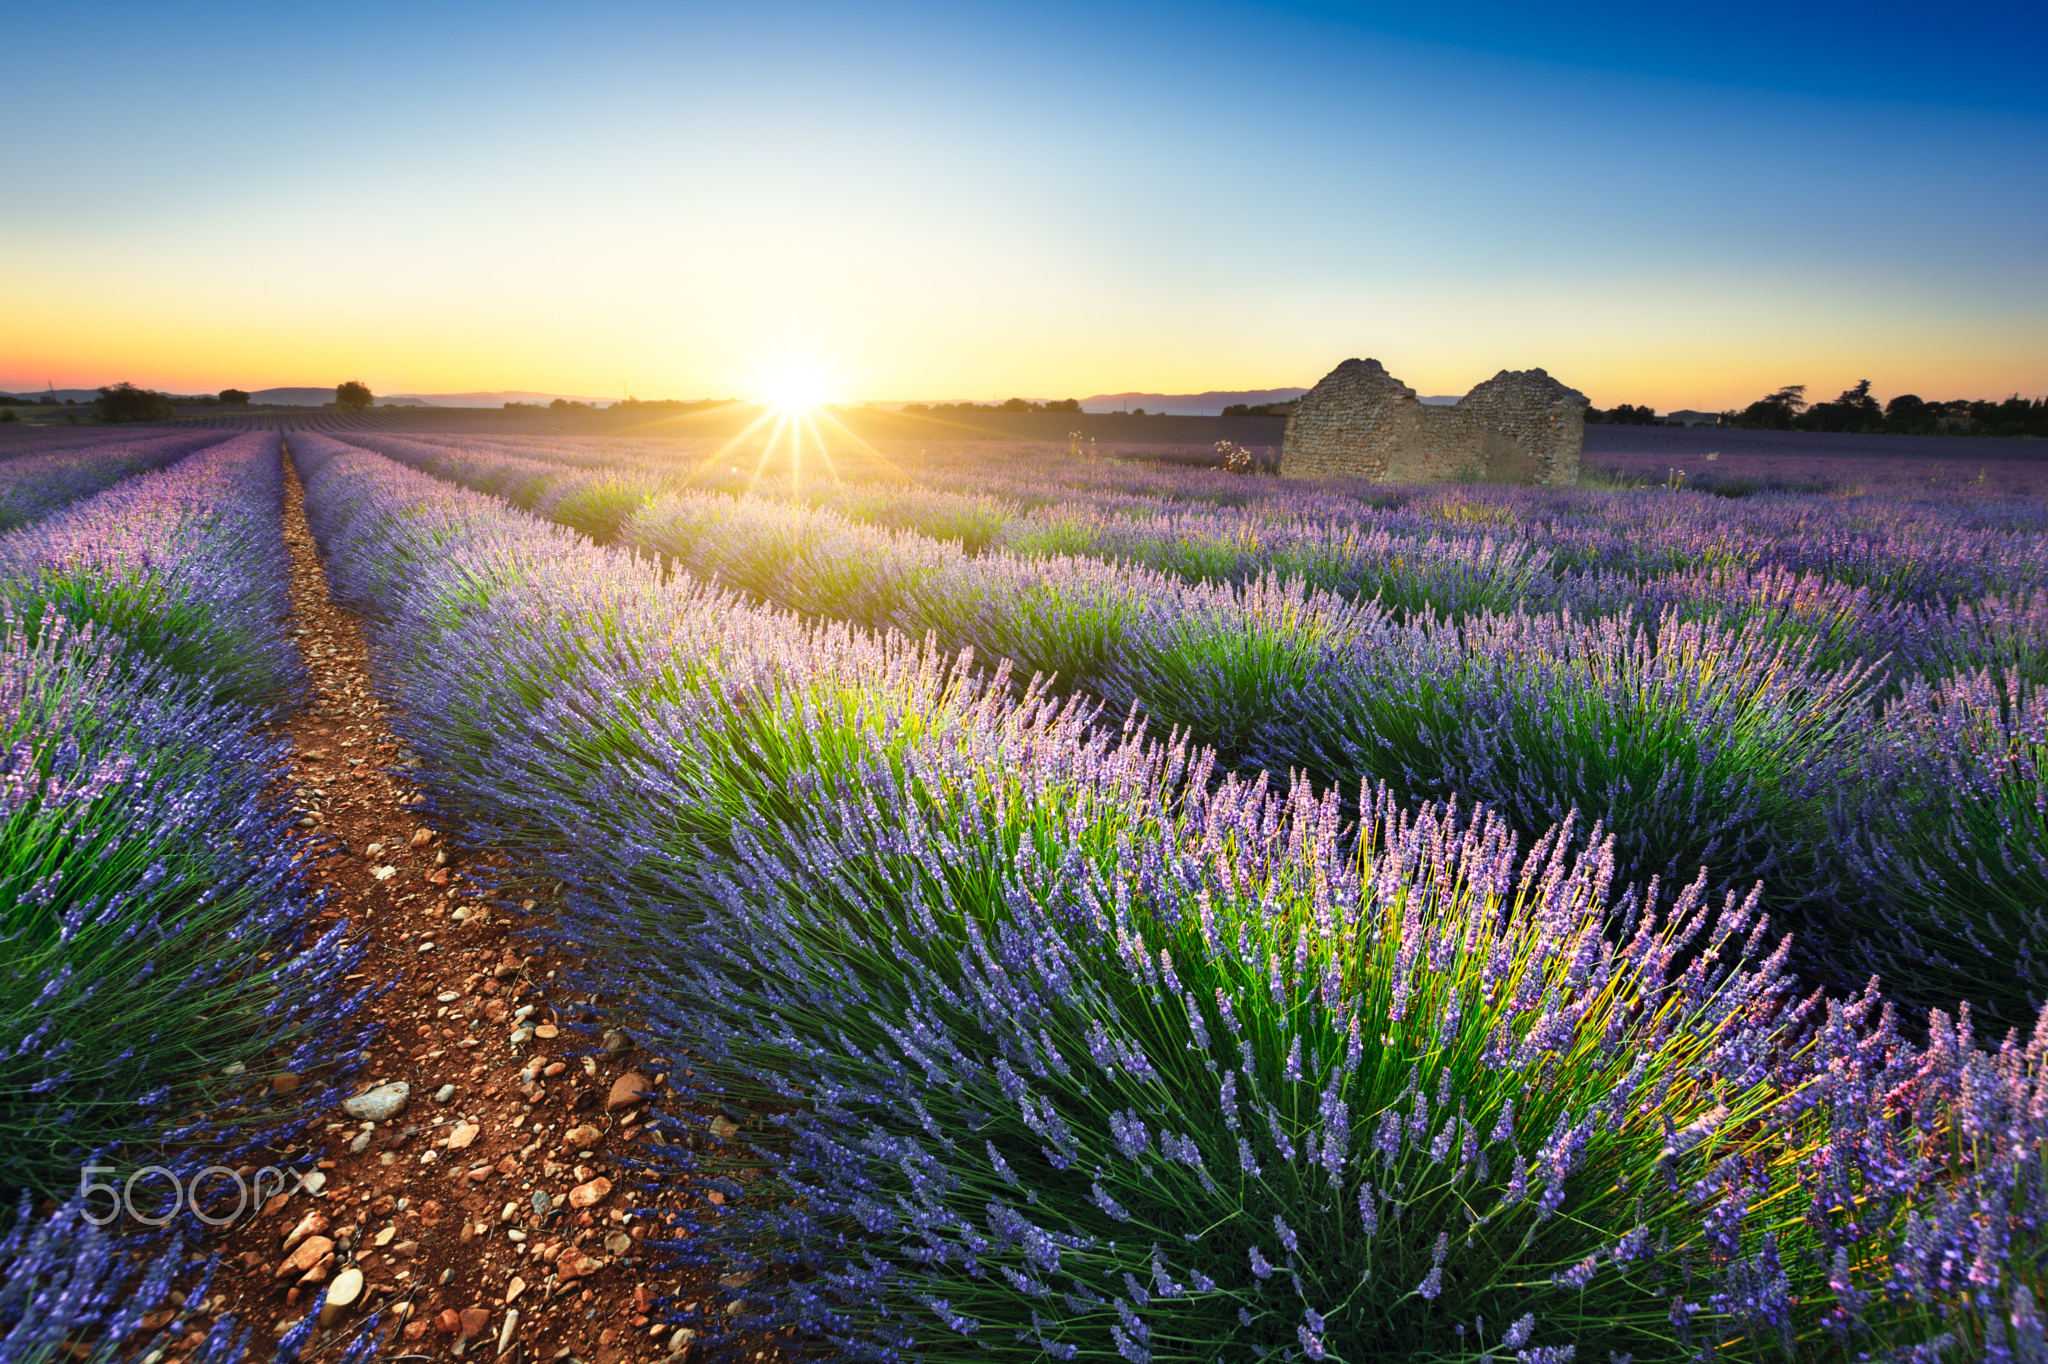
1856	412
1068	405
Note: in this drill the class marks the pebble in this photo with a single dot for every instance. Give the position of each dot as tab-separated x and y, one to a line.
383	873
521	1035
683	1336
574	1264
588	1195
629	1089
582	1137
312	1224
379	1104
445	1094
361	1143
447	996
341	1295
542	1204
463	1135
616	1041
426	947
309	1253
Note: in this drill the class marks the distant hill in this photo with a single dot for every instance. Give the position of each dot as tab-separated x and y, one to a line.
84	395
1207	404
314	397
293	397
512	395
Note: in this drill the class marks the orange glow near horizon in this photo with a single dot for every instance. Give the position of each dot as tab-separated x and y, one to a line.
925	345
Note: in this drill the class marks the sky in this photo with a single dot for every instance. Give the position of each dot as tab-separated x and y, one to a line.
1685	205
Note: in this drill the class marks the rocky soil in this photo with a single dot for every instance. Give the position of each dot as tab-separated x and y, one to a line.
470	1190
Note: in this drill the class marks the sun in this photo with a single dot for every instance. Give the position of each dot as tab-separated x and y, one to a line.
795	389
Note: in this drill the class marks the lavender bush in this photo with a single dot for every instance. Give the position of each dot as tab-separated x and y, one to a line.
186	566
1026	1075
34	485
1947	823
1694	745
72	1291
157	972
152	899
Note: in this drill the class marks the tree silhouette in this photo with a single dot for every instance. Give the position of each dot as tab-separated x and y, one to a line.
124	402
354	395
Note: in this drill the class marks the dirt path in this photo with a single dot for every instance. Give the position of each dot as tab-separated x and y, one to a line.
484	1212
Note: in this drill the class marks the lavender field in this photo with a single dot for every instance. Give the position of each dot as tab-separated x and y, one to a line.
1146	911
1113	908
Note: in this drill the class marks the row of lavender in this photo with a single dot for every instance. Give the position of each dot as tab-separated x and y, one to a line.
1005	1030
35	484
1897	822
1928	588
1208	523
156	975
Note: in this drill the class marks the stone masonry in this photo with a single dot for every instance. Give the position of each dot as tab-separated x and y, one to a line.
1520	426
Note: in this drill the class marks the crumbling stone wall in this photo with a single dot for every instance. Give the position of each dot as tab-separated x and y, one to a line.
1520	426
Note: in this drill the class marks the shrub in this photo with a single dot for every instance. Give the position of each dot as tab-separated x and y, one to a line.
1947	824
1163	1092
126	403
1695	746
185	566
596	506
153	905
33	486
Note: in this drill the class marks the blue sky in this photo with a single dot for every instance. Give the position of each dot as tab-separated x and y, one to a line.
1676	205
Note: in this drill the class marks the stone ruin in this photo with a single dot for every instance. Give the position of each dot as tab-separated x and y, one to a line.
1520	426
